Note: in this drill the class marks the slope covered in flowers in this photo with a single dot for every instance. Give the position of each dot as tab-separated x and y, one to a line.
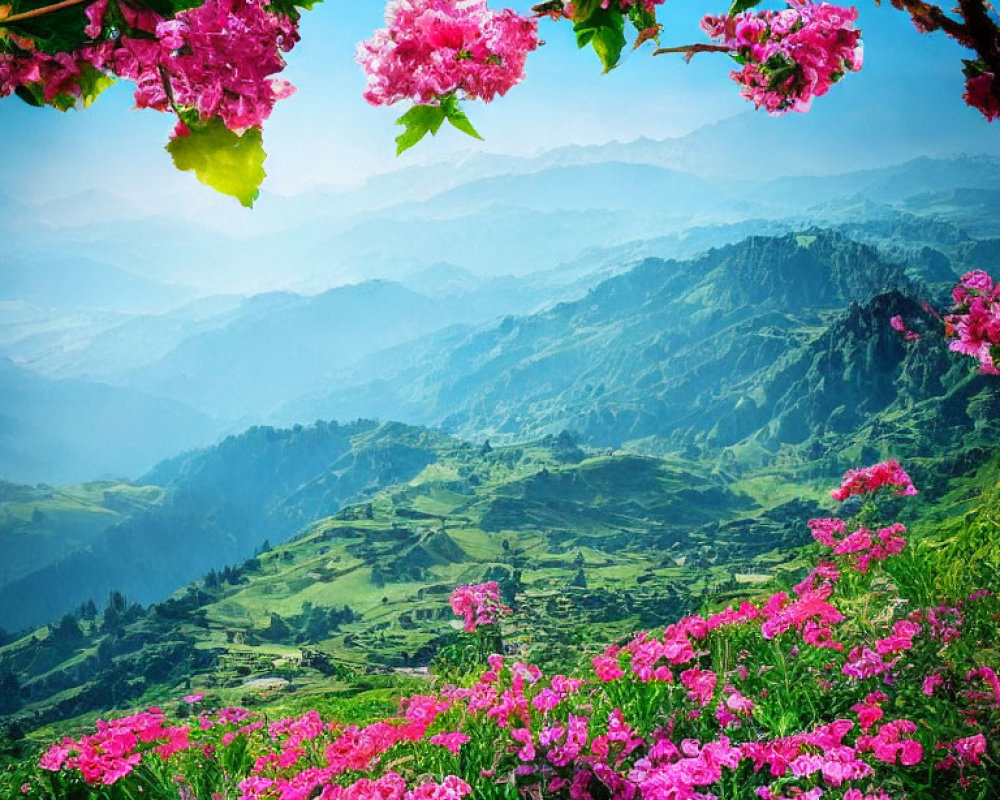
873	677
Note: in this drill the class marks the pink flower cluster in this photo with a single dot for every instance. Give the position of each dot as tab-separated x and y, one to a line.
861	545
974	324
57	75
219	58
117	747
353	749
887	744
868	480
433	48
979	94
478	604
898	325
215	59
790	56
944	622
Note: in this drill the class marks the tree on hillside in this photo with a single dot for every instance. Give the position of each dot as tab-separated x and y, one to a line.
10	690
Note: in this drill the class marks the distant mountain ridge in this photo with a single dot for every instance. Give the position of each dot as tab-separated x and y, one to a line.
218	505
555	229
646	328
73	430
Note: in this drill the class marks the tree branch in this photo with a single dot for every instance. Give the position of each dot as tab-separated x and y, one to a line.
983	31
930	17
40	12
690	49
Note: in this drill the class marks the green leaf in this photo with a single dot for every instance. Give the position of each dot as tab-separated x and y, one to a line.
170	8
229	163
641	17
457	117
604	29
291	8
740	6
31	94
419	121
584	8
584	36
92	82
63	102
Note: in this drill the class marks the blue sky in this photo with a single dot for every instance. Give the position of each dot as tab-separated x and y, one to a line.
326	135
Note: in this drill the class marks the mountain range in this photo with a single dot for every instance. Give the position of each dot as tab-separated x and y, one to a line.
556	229
772	351
615	440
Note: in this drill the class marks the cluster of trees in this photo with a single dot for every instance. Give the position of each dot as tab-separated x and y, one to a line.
313	625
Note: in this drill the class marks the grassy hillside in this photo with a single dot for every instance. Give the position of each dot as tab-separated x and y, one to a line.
217	506
39	525
583	545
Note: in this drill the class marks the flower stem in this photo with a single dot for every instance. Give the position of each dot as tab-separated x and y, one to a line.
40	12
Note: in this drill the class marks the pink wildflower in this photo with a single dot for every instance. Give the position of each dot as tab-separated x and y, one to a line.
478	604
870	479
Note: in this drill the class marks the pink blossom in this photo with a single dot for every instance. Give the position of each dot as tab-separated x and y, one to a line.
979	94
931	682
450	741
974	325
701	683
478	604
789	56
870	479
432	48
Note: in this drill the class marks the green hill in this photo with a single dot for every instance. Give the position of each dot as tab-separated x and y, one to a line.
218	505
39	525
616	541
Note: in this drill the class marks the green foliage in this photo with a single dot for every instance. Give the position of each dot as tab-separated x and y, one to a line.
55	32
604	30
228	162
423	119
92	83
418	122
454	114
739	6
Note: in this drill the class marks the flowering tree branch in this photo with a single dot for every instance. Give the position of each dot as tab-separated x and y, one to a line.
689	50
213	66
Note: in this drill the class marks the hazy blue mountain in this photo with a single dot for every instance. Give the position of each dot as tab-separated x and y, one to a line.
31	334
72	430
798	144
104	347
282	344
413	218
620	202
977	210
218	505
667	349
614	186
80	281
112	353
